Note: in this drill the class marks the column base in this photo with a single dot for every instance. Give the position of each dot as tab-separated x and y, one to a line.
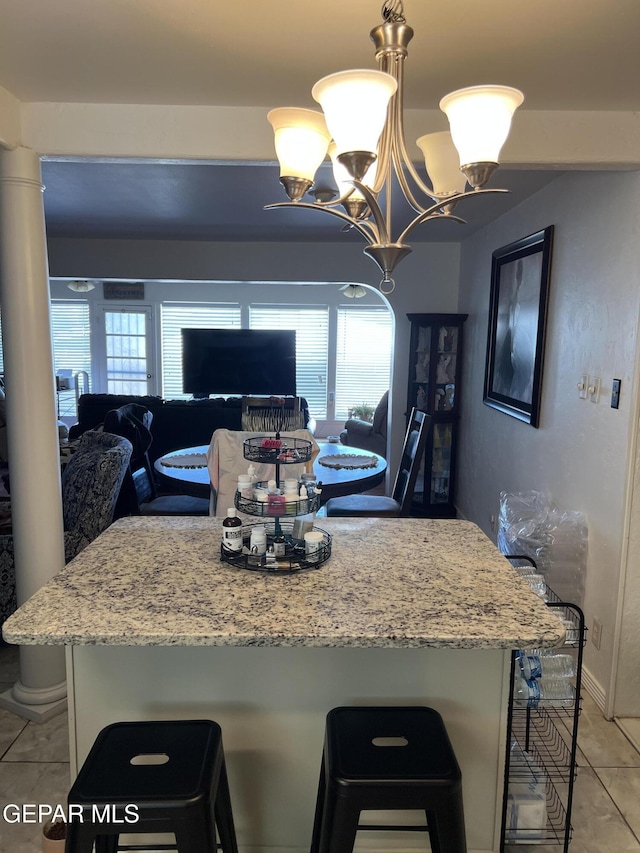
36	713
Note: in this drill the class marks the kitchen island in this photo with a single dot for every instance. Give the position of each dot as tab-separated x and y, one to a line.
406	611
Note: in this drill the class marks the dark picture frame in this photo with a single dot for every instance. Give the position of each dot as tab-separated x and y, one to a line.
520	275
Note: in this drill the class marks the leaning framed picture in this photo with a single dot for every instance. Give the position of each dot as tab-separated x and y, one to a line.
517	321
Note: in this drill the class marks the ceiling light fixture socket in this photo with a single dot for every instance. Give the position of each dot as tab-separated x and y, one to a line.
295	187
478	174
392	37
357	208
357	163
81	286
323	194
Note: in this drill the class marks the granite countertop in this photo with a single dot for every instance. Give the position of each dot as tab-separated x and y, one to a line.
388	583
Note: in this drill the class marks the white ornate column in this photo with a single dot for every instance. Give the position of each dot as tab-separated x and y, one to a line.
32	428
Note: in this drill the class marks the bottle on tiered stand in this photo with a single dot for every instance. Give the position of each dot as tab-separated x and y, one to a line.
232	531
288	506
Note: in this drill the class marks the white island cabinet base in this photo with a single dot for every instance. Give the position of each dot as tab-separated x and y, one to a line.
405	611
271	704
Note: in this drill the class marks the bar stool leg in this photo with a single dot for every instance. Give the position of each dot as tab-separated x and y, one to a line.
317	820
196	835
224	815
79	838
433	832
107	843
339	825
451	836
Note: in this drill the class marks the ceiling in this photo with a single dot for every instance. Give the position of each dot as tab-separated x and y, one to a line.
574	54
224	203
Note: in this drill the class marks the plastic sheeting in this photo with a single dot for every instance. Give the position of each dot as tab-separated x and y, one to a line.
531	523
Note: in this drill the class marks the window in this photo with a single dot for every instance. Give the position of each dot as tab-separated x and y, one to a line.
363	357
71	338
70	331
192	316
312	336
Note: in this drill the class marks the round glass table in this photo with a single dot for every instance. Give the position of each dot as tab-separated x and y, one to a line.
342	470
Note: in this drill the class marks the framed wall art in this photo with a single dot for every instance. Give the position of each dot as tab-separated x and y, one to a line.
517	322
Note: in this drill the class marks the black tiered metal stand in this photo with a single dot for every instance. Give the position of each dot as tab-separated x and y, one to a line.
277	451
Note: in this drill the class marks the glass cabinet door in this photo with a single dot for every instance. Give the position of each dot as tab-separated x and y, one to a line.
446	369
434	373
441	463
421	368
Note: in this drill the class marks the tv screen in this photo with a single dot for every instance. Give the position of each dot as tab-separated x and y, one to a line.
238	361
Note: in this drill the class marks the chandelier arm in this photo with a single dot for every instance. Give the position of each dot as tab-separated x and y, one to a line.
404	184
435	211
427	216
386	139
372	237
376	212
401	155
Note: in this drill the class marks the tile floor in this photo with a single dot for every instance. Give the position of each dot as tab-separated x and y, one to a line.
34	768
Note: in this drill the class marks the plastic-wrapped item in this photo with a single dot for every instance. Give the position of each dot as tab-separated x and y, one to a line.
531	523
526	799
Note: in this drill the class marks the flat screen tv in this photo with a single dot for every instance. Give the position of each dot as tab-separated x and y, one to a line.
238	361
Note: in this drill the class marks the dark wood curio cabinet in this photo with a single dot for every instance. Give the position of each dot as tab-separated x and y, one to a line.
435	365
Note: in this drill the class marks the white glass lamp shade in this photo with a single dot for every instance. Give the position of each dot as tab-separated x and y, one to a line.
442	163
480	119
343	179
301	139
355	107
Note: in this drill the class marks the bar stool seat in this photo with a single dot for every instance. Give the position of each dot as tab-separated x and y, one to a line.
173	772
387	758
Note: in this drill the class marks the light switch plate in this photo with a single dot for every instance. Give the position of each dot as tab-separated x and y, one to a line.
615	393
583	384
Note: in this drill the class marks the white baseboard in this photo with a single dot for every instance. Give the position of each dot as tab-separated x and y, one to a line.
594	689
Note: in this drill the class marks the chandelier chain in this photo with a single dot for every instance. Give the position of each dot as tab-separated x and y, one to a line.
393	12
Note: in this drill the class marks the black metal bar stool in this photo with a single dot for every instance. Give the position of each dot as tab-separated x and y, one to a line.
174	774
387	758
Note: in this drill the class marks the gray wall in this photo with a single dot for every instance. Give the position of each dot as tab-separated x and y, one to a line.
580	455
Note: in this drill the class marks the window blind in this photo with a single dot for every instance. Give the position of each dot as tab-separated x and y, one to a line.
176	316
311	325
71	336
363	357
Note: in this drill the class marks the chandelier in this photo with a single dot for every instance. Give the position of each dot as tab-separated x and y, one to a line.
361	127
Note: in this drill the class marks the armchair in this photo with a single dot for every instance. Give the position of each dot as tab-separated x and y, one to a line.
369	436
91	484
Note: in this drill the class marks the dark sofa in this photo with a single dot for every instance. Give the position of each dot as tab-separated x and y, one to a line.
176	423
